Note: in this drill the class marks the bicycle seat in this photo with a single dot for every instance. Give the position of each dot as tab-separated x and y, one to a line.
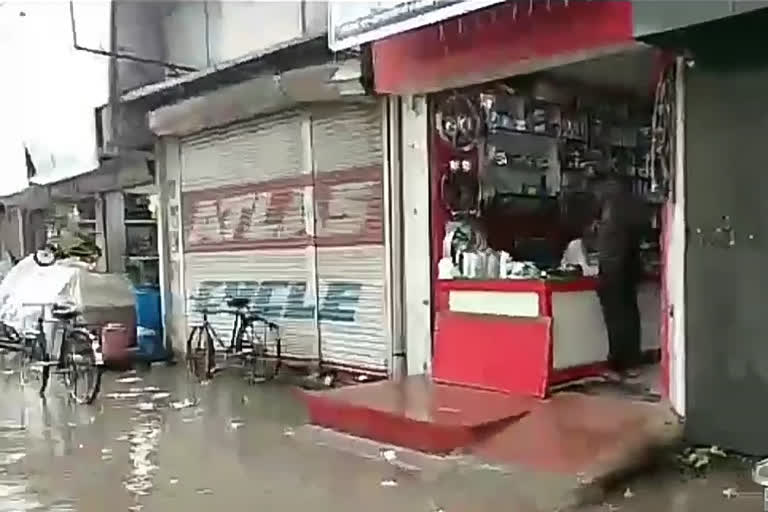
62	312
238	302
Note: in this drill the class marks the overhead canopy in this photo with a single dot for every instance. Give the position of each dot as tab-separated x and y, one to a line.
354	23
336	81
729	43
509	39
521	37
660	16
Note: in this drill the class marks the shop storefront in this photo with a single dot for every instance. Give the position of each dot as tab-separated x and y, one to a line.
286	210
274	191
513	191
522	100
521	114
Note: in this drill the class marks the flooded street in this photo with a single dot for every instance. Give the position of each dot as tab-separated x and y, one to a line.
157	441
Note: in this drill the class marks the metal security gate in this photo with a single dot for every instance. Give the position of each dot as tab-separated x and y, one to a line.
247	226
287	211
348	163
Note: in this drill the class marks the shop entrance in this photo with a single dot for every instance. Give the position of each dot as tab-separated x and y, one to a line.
515	165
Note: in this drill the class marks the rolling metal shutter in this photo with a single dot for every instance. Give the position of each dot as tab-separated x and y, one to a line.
287	210
248	229
348	162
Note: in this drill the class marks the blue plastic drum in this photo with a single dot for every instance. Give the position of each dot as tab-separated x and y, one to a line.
149	325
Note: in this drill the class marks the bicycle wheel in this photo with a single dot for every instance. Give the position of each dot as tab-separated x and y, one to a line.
34	368
82	370
46	256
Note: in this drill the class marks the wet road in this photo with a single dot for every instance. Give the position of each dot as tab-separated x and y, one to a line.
158	441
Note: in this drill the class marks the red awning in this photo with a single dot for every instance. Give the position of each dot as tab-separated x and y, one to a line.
511	39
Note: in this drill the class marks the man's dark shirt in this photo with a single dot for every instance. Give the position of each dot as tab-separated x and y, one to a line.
620	216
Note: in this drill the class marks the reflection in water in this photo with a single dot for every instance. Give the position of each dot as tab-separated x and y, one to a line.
144	439
14	491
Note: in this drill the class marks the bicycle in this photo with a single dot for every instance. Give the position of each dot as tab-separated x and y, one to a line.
52	252
79	359
245	342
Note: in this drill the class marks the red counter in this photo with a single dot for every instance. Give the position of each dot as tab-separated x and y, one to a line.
522	336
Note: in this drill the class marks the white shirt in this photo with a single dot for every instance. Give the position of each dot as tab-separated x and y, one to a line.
575	255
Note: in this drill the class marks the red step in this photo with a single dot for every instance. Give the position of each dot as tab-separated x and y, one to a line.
416	413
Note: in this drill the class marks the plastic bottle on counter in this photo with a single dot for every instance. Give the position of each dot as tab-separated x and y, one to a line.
446	269
504	263
481	265
493	265
469	265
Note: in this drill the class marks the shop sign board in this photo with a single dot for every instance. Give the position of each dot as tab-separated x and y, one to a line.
254	216
354	23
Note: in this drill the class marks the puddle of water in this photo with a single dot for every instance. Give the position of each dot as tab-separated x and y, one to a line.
144	440
128	380
8	458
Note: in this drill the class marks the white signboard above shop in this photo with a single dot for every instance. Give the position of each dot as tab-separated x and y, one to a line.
353	23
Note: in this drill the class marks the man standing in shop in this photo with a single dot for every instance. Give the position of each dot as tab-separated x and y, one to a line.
618	245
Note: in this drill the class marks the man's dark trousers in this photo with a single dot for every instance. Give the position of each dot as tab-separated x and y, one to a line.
618	298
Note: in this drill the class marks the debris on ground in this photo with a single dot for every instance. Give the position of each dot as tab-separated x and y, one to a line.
204	491
245	399
389	483
173	481
289	432
183	404
318	381
388	455
628	494
699	460
716	450
123	396
236	423
128	380
730	492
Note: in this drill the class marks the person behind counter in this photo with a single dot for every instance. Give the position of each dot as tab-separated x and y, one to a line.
617	243
578	251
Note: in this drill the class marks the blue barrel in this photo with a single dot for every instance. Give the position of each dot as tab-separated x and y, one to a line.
148	307
149	325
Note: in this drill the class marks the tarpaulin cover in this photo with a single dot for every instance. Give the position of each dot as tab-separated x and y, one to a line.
28	289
